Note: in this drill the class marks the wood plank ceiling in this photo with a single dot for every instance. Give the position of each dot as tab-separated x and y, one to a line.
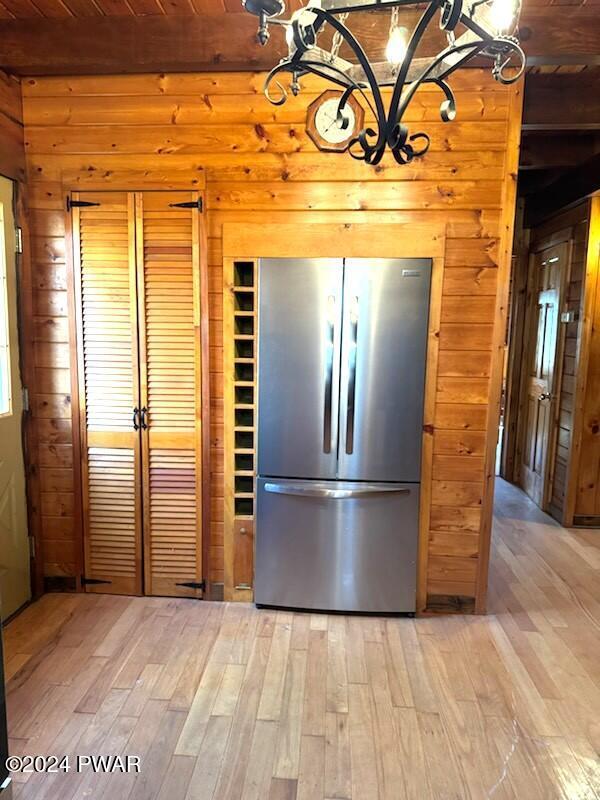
560	137
26	9
109	36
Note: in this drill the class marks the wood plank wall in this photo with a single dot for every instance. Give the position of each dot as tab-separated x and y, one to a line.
259	165
12	150
586	445
572	224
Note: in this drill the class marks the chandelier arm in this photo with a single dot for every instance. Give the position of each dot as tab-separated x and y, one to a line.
498	68
450	14
312	67
475	46
281	67
349	89
393	118
348	84
344	98
358	51
388	132
448	106
452	67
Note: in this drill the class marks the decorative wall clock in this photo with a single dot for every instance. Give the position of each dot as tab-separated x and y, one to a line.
333	129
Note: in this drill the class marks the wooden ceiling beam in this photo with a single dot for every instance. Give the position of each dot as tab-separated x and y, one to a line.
102	45
562	102
560	35
541	152
568	189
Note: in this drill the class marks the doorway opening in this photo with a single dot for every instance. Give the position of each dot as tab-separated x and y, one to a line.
15	585
547	442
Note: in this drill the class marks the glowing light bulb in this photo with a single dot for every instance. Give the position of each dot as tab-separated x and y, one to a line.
396	46
502	14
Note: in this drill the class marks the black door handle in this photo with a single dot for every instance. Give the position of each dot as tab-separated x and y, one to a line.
144	423
136	412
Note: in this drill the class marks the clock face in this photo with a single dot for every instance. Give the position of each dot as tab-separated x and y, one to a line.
328	132
327	124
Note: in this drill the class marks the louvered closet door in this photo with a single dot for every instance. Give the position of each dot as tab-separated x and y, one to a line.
105	274
169	313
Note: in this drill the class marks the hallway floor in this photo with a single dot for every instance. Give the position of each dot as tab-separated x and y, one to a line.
229	702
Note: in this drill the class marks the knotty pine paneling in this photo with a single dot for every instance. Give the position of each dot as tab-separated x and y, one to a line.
179	131
12	151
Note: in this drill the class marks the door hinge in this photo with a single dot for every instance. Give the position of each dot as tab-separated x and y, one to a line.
25	395
193	585
31	547
91	581
79	204
19	241
192	204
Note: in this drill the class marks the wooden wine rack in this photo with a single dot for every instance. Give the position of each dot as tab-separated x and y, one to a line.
240	396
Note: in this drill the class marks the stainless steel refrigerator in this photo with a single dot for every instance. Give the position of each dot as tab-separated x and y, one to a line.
341	374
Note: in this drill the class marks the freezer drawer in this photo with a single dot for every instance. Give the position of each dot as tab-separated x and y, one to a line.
336	545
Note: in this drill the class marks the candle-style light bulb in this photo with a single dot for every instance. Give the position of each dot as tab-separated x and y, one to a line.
502	15
396	46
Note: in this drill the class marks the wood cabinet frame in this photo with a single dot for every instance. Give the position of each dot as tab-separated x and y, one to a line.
252	241
139	183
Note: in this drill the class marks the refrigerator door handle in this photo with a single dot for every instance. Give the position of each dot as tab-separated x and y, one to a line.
329	345
333	494
352	375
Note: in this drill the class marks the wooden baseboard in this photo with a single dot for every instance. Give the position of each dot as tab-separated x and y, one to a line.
449	604
217	592
582	521
60	583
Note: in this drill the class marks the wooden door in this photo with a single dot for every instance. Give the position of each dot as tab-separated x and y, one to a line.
548	268
14	543
108	369
169	291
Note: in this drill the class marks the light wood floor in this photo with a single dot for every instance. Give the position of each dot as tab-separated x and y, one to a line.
225	701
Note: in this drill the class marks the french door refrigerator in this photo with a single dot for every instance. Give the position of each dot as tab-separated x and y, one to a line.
341	374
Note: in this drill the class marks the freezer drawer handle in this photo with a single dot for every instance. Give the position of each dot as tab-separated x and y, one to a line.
329	344
352	376
334	494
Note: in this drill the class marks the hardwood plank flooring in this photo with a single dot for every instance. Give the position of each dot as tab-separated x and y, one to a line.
230	702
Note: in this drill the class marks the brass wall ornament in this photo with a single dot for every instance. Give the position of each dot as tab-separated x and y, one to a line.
473	28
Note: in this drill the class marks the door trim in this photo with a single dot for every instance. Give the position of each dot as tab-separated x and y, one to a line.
28	379
555	240
139	182
347	240
589	298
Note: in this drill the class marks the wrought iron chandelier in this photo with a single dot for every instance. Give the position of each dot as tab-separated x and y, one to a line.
472	28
